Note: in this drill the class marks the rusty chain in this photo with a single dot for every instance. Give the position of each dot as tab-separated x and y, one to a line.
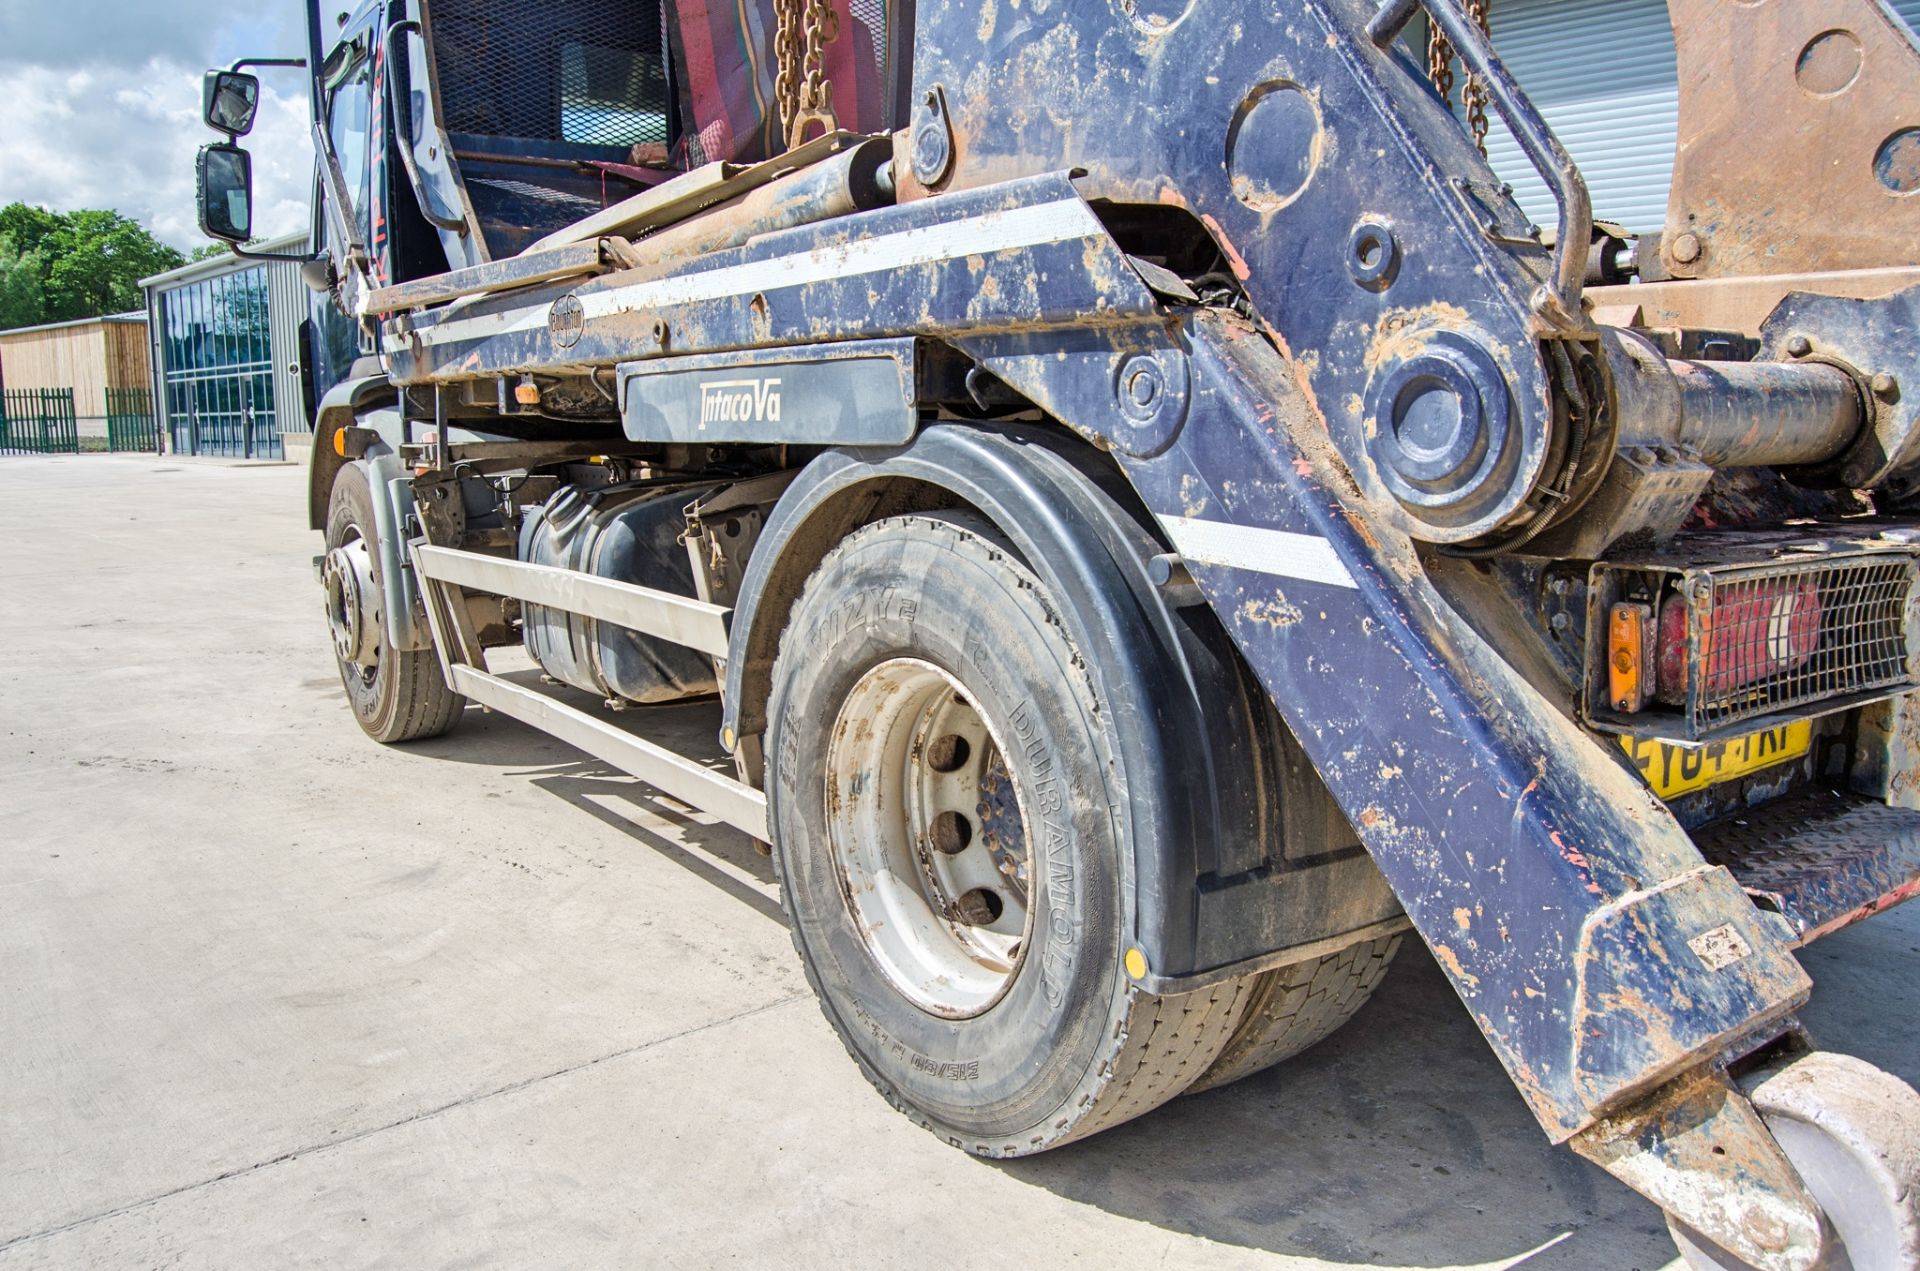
790	16
801	90
1473	96
1440	63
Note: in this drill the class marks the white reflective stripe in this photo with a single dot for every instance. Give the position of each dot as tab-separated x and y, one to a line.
1058	222
1290	555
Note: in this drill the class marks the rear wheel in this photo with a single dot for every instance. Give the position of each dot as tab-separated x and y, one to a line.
397	694
1292	1007
946	809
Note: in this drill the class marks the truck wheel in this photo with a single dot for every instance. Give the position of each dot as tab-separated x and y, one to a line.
1853	1133
1292	1007
946	809
397	694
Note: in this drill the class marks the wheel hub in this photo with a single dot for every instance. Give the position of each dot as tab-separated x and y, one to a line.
353	616
927	838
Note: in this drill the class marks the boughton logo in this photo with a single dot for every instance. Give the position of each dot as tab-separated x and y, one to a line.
566	321
740	401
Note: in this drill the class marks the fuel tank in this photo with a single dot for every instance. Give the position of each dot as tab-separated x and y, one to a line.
629	533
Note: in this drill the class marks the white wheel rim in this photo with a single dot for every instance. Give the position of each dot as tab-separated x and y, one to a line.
347	581
927	840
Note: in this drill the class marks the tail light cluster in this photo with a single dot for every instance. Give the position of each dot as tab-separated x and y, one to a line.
1703	647
1749	632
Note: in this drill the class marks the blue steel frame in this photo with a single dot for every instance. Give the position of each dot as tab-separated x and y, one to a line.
1579	889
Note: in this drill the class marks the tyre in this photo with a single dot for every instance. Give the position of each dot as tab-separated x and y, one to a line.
396	694
1292	1007
947	811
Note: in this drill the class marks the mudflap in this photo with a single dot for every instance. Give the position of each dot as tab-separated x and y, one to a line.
1607	963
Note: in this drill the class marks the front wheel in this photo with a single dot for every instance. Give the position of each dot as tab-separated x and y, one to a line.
396	694
947	809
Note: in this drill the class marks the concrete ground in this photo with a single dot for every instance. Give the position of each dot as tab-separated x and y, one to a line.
273	996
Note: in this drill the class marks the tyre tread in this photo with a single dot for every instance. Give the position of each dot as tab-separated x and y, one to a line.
1293	1007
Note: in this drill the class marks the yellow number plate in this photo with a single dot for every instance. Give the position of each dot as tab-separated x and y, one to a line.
1677	770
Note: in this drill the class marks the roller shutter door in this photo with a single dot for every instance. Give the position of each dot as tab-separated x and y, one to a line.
1602	72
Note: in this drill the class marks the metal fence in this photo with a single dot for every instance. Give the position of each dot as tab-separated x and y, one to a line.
38	421
43	421
130	421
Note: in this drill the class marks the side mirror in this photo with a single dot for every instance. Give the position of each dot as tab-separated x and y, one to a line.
228	100
224	184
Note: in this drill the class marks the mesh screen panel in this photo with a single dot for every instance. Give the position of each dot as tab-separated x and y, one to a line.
872	14
1778	638
583	71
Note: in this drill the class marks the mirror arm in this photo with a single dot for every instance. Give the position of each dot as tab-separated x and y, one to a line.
268	61
244	254
403	126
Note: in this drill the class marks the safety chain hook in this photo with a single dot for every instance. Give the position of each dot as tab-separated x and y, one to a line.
801	88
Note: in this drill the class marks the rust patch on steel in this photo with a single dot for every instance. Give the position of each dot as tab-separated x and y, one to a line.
1787	112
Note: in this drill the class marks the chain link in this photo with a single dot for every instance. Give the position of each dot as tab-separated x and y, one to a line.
801	88
790	16
1473	95
1440	63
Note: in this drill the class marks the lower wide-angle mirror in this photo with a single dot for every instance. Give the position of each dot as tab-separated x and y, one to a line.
225	186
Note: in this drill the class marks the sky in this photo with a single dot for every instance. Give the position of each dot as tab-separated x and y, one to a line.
100	107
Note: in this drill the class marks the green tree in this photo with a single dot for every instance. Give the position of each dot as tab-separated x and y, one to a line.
95	263
207	251
87	263
28	226
22	275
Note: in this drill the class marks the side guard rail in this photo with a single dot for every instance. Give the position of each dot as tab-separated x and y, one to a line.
692	623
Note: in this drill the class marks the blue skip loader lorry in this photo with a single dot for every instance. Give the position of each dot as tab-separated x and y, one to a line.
1162	527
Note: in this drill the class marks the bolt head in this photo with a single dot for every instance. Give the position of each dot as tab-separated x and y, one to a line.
1143	388
1799	346
1885	387
1686	248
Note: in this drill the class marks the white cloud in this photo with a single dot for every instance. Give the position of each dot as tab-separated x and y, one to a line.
100	107
128	32
100	135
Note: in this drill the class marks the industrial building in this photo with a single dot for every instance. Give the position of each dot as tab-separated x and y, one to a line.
226	364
